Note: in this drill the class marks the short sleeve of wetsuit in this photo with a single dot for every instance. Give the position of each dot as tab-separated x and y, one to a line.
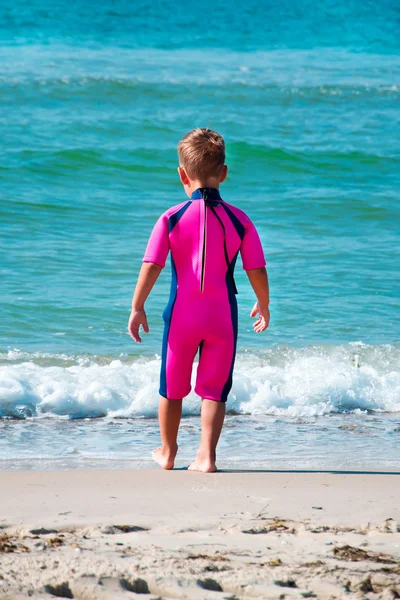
251	249
158	244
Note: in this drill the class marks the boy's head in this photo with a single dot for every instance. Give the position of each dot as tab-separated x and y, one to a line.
202	159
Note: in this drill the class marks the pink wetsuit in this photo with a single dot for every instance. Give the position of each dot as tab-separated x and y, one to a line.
204	235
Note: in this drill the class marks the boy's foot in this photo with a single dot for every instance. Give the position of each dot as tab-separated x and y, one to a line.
205	466
165	458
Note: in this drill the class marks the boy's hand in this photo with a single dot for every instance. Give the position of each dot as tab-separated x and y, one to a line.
263	320
137	318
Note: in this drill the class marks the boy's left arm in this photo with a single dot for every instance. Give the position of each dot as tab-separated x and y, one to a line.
148	275
254	264
259	282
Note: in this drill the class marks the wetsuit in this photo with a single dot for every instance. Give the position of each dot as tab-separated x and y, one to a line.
204	235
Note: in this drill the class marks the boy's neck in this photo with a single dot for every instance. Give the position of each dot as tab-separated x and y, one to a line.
195	185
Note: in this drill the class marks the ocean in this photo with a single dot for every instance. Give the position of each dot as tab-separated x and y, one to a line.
93	101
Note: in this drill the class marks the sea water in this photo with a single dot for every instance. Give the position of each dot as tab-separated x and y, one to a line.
92	104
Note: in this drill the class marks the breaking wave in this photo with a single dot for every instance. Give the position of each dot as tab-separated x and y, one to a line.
284	381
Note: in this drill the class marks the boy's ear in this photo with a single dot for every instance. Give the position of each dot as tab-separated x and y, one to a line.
223	174
182	176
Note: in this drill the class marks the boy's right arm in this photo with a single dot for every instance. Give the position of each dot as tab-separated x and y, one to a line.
153	263
259	282
148	275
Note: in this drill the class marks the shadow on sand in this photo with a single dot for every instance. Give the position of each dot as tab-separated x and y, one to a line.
333	472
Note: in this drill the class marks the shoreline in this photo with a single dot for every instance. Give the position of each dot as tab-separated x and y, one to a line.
180	534
145	465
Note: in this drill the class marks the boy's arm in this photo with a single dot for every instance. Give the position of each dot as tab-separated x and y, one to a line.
148	275
254	265
153	262
259	282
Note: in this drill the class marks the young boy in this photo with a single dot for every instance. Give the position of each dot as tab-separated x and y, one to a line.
204	235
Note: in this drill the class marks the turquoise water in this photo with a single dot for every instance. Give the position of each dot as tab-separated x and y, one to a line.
93	103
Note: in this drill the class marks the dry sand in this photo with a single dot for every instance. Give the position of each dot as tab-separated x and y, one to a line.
155	534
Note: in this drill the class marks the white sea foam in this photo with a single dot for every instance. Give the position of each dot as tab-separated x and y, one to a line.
283	381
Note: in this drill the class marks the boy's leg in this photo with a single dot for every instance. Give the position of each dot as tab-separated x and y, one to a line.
212	419
169	416
213	383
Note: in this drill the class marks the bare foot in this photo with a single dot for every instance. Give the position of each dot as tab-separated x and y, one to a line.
165	459
203	465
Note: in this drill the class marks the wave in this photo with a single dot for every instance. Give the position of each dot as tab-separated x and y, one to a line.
290	68
232	83
284	381
153	161
283	158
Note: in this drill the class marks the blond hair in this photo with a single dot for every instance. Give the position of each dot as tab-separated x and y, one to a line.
202	153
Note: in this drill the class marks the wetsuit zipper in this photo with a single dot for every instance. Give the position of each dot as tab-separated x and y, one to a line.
204	251
203	257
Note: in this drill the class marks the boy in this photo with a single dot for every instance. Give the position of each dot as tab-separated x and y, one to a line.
204	235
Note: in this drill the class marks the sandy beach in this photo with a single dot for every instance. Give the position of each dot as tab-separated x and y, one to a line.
155	534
